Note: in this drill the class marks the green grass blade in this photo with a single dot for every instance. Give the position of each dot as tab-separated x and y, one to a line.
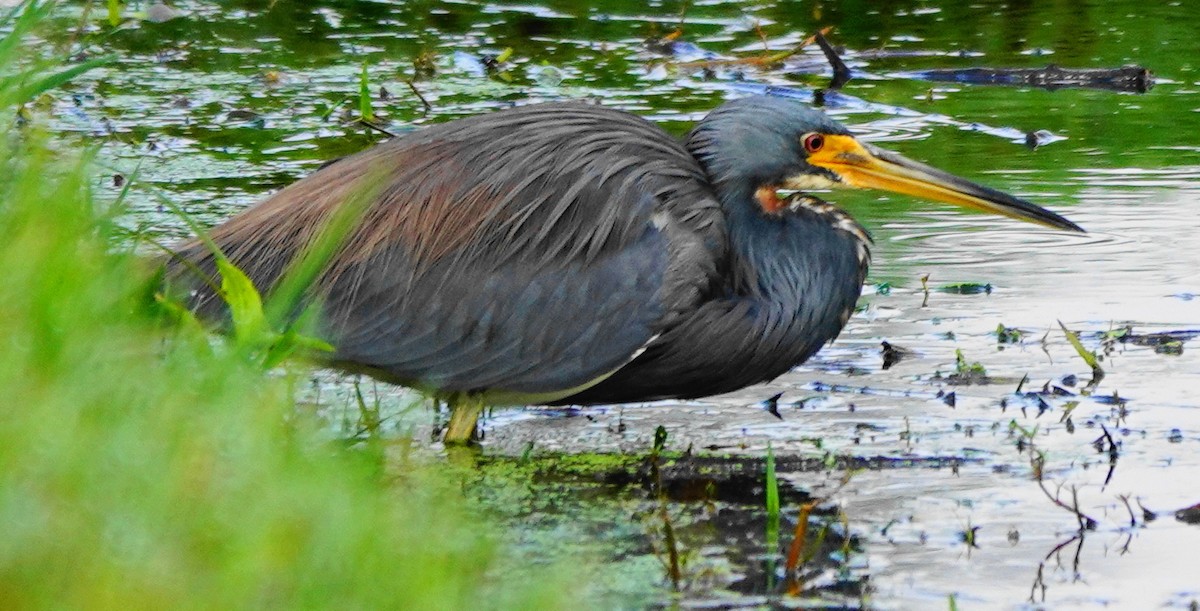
19	25
32	90
1088	356
364	96
245	304
772	494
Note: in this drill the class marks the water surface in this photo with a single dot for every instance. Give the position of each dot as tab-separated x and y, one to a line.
236	99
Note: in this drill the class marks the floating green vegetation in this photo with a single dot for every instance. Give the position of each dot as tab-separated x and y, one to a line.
1008	335
964	368
966	288
965	372
1172	347
1116	335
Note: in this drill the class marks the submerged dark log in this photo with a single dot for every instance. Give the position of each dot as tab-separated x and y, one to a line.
1126	78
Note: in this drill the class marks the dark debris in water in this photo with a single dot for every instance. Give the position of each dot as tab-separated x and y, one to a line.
1172	348
702	478
714	508
824	387
893	354
1189	515
740	479
949	398
771	405
1167	342
1134	79
1008	335
968	378
1040	137
1159	339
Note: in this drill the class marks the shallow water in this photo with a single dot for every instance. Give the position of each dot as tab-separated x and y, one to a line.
234	100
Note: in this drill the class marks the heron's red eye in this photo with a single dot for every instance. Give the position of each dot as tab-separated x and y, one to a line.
814	142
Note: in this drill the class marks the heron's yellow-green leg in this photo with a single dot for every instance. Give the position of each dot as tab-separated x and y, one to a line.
464	419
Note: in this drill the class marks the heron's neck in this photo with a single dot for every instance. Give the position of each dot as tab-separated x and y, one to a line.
754	256
808	259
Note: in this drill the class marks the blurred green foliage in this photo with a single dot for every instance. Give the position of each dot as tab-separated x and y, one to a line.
144	466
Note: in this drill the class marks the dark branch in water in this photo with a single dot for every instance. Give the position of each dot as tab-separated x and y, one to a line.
378	128
1136	79
1086	522
841	72
416	92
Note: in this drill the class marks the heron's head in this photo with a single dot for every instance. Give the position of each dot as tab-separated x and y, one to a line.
761	144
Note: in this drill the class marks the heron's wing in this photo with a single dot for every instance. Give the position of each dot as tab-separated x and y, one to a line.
528	251
762	328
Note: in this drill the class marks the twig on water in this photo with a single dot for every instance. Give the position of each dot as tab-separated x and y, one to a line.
1114	452
425	103
797	558
1086	522
757	60
378	128
674	573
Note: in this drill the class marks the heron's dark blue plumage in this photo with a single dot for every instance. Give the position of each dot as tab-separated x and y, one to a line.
789	281
526	252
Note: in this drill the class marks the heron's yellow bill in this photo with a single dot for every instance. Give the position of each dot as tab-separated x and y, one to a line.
861	165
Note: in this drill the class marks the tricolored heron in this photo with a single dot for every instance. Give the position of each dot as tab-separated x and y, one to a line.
567	253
